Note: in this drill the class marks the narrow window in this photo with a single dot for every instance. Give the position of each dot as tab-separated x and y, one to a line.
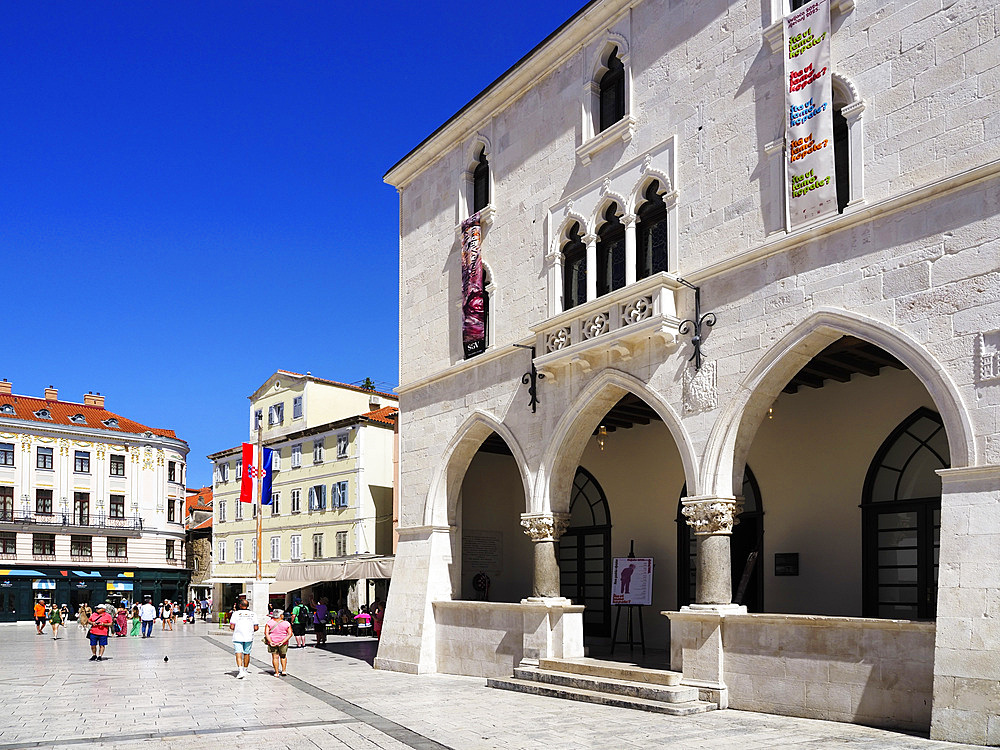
297	455
341	544
117	465
81	508
81	546
275	497
171	471
43	460
296	551
8	543
342	445
296	501
651	234
222	550
297	407
258	417
841	159
318	451
43	502
574	269
610	252
171	552
317	546
118	506
6	503
43	545
222	511
481	183
238	551
6	454
117	547
612	92
275	548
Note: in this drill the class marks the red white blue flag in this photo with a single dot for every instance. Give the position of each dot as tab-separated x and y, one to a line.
251	472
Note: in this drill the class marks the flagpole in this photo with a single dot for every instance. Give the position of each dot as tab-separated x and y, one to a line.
260	504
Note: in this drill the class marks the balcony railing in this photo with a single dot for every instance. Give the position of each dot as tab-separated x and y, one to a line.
615	323
75	520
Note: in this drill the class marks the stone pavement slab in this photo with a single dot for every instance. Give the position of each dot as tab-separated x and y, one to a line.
51	696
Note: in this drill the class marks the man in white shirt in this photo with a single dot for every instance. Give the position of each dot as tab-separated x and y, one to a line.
147	613
244	624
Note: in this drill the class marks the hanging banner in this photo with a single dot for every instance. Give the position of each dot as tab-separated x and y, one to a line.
632	580
809	162
473	294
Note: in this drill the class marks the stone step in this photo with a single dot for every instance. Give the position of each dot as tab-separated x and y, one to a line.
648	691
605	699
611	669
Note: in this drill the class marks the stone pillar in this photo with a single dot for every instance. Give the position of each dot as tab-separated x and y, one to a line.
630	258
591	242
712	519
544	529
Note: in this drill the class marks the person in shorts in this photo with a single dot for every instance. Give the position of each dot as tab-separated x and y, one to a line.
40	617
100	621
301	618
244	624
277	634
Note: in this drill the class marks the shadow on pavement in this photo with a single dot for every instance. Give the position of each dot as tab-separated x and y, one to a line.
362	649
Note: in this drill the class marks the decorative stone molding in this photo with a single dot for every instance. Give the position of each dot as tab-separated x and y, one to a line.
100	451
63	447
544	527
26	443
700	390
159	456
712	515
988	356
147	458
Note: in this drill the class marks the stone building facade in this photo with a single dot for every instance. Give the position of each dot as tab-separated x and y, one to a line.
818	479
198	542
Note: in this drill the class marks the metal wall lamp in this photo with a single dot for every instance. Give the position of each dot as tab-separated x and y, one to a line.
531	379
693	325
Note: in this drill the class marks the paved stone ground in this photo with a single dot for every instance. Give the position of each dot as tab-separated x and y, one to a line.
51	696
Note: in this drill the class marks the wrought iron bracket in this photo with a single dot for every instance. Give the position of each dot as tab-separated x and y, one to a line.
694	325
531	379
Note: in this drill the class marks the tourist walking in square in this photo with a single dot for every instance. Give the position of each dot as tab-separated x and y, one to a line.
277	634
244	624
319	621
55	619
83	617
40	616
147	613
136	626
100	622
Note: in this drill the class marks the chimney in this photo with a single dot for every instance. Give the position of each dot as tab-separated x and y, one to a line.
51	394
5	387
93	399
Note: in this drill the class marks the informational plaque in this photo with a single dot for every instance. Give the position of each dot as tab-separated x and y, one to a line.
632	580
482	551
809	162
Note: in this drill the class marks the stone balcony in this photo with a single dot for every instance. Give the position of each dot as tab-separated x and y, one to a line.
618	323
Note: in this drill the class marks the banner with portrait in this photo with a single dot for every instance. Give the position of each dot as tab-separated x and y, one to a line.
473	293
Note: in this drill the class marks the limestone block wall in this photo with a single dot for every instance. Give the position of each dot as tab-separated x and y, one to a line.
481	639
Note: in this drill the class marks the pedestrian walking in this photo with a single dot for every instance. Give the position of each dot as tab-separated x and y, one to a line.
204	610
377	618
55	619
121	622
147	614
40	616
319	621
166	615
83	617
136	627
100	622
190	612
301	617
277	634
244	624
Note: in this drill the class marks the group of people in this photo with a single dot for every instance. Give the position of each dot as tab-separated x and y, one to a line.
51	615
319	618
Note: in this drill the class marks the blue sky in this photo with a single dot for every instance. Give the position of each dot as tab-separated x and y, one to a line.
191	194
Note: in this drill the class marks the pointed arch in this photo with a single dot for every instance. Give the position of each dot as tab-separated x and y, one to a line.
733	432
560	237
611	42
442	497
608	197
562	456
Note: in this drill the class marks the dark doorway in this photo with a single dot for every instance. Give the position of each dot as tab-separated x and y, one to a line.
585	554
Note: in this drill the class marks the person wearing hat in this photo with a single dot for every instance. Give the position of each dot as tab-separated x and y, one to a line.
100	621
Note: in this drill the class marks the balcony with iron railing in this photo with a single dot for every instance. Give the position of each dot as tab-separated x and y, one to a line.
71	523
615	323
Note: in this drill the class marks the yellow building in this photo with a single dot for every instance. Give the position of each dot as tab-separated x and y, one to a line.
331	499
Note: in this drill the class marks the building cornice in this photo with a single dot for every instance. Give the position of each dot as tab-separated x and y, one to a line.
359	420
90	433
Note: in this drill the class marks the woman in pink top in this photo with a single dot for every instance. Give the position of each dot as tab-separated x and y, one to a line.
277	634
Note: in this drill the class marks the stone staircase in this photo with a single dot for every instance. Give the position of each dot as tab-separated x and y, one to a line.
608	683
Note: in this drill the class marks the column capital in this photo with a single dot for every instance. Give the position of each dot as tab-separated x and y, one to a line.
708	514
544	527
589	239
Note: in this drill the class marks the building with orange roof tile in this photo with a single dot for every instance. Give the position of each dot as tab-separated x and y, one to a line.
329	532
198	541
91	504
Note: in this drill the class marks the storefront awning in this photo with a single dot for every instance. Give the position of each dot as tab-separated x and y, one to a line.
344	569
283	587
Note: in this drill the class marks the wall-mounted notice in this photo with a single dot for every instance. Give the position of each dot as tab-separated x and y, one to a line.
632	580
482	551
809	164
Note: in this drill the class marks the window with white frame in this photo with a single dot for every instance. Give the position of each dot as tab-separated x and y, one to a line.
297	455
297	407
341	543
238	550
239	511
607	99
275	414
253	550
223	471
6	454
342	445
317	497
258	418
221	550
275	548
276	460
222	511
239	470
318	546
296	547
318	451
296	501
275	498
338	494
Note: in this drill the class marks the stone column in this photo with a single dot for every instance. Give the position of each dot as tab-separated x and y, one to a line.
544	529
630	241
590	240
712	519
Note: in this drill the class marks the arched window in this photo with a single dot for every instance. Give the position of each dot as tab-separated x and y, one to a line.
847	142
901	517
841	159
481	183
610	252
612	92
651	234
584	554
574	269
746	551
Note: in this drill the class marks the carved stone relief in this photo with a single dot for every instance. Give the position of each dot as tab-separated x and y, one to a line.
545	527
700	391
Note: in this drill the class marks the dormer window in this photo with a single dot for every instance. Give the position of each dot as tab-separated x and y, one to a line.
78	419
110	422
6	409
43	414
481	183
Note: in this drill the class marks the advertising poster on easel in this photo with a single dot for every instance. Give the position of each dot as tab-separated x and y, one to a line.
632	580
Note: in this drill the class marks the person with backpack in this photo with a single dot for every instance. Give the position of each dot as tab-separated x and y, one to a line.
301	618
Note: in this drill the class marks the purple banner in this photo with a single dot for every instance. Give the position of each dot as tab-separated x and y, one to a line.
473	294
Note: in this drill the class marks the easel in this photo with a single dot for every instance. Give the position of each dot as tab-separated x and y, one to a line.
630	632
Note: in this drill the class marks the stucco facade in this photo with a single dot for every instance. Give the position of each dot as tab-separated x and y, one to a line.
910	266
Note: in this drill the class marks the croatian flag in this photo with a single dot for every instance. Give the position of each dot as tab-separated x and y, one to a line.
248	482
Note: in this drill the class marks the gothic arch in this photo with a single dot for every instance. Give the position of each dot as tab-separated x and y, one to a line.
562	456
734	431
560	237
440	506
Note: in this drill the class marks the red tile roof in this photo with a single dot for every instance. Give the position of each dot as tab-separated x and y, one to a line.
199	499
61	411
385	415
393	396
